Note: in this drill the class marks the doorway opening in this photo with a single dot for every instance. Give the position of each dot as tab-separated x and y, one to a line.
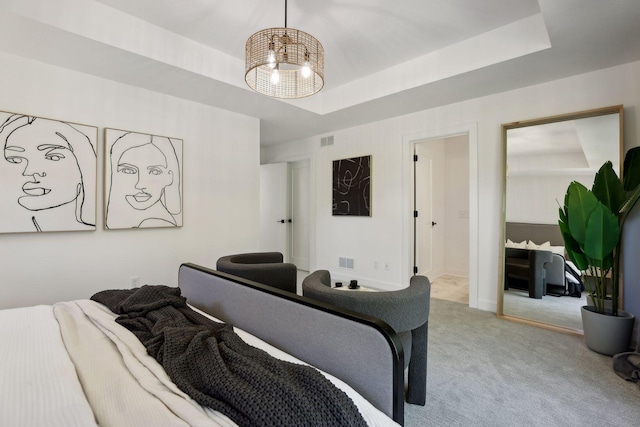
448	233
441	215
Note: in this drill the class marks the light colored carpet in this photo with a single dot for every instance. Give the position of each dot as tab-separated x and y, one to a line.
563	311
483	371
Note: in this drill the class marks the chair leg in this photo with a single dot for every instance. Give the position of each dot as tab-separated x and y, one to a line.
417	378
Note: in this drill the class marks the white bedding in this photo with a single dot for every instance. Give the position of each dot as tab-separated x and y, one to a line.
122	383
38	382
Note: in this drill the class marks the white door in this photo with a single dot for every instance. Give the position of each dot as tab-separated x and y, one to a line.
423	222
300	214
274	209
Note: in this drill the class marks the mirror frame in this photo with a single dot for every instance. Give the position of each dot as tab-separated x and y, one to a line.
615	109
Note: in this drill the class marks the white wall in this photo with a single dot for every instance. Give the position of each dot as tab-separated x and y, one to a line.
536	198
381	236
457	206
335	236
221	188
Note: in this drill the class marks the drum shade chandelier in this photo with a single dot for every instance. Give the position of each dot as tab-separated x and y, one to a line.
284	62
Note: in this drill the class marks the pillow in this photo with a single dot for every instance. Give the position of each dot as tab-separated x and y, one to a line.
557	250
521	245
510	244
544	246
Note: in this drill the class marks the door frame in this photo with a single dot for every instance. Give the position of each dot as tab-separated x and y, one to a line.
408	141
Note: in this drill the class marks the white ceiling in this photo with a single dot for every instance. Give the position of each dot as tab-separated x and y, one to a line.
383	58
570	147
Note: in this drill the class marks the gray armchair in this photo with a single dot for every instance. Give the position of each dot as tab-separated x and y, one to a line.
262	267
527	267
405	310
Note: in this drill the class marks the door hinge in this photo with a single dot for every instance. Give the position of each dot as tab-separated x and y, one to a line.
415	269
415	157
415	214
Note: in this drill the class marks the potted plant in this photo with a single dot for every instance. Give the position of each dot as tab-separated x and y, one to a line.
591	224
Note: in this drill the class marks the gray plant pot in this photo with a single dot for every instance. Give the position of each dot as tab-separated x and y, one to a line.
607	334
607	303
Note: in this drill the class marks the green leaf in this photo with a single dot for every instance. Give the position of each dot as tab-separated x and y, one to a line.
580	202
569	241
601	235
631	200
606	263
607	187
562	215
631	170
578	259
574	252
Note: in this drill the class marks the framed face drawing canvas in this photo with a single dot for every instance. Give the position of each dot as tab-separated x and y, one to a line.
352	186
48	174
143	180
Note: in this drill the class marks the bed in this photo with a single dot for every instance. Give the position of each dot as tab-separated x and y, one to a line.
535	256
71	364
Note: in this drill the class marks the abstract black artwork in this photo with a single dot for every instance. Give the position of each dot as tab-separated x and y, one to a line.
352	186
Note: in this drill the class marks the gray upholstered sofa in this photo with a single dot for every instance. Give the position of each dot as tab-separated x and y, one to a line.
267	268
405	310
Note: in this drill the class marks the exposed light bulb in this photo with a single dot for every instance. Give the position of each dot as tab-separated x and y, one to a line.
275	77
306	70
271	59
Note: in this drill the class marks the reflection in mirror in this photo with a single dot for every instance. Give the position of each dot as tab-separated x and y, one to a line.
542	157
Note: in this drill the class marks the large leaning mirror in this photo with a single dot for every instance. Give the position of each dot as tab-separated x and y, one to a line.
541	158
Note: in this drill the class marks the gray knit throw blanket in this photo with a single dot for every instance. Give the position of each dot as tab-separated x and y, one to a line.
209	362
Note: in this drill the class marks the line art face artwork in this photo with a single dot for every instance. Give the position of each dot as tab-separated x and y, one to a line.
143	180
47	174
352	187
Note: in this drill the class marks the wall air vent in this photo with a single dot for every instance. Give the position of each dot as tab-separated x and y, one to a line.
326	140
346	263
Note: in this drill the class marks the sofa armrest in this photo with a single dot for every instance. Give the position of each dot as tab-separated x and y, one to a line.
539	258
529	264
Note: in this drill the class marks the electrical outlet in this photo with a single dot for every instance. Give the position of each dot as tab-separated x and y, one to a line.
134	281
386	266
